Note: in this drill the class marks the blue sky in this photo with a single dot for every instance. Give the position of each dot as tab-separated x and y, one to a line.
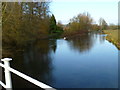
64	10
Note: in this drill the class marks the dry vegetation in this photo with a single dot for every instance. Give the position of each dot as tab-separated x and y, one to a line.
113	36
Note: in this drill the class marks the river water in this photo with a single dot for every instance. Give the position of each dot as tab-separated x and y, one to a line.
84	62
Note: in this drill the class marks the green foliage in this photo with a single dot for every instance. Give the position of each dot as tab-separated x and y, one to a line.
55	29
53	26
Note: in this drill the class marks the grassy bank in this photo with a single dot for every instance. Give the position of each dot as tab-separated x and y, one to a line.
112	36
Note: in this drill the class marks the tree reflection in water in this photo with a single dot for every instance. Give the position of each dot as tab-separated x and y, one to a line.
35	60
82	43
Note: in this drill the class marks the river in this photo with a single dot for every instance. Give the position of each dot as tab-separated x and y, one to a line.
84	62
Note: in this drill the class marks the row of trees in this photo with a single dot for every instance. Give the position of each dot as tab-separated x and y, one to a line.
25	22
83	23
104	26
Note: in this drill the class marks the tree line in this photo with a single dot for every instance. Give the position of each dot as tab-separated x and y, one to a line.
24	22
83	23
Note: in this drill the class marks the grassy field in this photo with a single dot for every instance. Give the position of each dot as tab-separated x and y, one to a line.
112	36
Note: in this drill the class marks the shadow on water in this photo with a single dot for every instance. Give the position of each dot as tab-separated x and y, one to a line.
35	61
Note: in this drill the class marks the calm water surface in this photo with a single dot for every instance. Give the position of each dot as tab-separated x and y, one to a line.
84	62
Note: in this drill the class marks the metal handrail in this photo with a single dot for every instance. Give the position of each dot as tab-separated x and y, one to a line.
8	80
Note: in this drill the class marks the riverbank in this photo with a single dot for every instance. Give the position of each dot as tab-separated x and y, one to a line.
112	36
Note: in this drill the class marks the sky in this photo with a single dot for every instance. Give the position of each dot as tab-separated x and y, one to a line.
64	10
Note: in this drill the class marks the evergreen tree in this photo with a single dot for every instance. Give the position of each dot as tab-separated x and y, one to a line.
53	26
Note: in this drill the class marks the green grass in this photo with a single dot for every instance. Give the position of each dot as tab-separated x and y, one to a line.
112	36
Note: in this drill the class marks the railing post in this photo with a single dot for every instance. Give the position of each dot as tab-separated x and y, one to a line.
7	73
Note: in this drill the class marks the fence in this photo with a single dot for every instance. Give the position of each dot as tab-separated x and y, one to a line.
8	78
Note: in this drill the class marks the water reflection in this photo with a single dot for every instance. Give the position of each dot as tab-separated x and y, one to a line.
82	43
102	38
38	56
56	63
35	60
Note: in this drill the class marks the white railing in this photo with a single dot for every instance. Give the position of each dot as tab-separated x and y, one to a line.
8	80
